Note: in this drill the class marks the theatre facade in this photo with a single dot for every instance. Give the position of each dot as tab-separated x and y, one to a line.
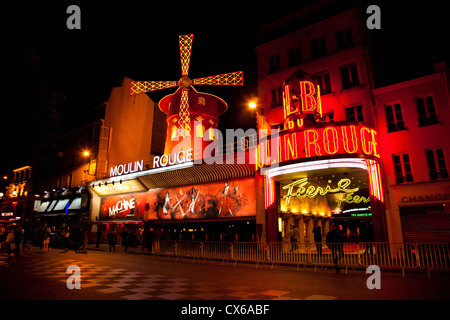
310	171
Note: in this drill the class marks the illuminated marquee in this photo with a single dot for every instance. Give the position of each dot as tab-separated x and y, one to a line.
320	141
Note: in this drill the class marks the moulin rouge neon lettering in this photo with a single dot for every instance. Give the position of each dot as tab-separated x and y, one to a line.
126	168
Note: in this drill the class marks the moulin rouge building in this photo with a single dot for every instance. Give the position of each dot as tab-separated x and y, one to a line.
255	189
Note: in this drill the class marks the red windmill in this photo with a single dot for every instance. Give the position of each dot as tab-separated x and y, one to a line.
187	105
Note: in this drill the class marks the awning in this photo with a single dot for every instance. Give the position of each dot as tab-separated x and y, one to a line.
75	205
61	205
50	208
43	206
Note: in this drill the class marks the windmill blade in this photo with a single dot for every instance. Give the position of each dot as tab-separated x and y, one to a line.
227	79
184	112
185	53
146	86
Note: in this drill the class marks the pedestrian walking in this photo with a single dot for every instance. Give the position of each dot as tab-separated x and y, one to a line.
317	231
25	236
334	242
45	239
112	239
65	237
84	241
294	235
125	235
8	241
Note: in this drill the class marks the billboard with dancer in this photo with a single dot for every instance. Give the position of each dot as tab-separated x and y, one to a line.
235	198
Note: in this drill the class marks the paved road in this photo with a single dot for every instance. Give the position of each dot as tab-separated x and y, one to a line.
131	276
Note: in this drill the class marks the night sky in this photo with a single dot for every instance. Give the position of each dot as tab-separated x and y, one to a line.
139	39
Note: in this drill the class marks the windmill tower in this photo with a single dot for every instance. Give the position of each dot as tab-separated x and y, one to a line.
190	114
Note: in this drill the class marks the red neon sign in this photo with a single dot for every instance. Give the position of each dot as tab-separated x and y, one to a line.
299	102
330	140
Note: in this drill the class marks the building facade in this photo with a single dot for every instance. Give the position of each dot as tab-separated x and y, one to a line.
409	119
412	120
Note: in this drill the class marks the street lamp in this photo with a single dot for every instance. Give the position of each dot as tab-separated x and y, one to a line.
86	153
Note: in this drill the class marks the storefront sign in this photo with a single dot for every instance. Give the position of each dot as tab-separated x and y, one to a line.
121	206
426	197
126	168
304	189
317	142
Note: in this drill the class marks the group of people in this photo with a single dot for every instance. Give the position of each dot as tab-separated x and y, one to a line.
10	240
149	238
334	240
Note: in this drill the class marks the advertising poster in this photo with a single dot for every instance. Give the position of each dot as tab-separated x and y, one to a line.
226	199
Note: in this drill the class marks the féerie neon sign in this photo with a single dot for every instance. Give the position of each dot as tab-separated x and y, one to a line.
305	191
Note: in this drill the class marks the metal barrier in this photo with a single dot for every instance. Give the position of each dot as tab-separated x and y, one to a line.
217	250
401	256
189	249
164	247
250	252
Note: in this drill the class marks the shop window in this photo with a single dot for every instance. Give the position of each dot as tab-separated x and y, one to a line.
426	111
344	39
394	117
276	97
274	63
295	56
323	78
402	168
349	76
436	164
318	48
354	113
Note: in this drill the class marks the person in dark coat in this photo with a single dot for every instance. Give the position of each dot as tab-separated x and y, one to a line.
112	239
125	235
317	231
335	243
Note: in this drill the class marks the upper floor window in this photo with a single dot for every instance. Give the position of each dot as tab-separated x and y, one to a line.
295	56
354	113
402	168
426	111
274	63
436	164
318	48
394	117
324	81
276	97
349	76
344	39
